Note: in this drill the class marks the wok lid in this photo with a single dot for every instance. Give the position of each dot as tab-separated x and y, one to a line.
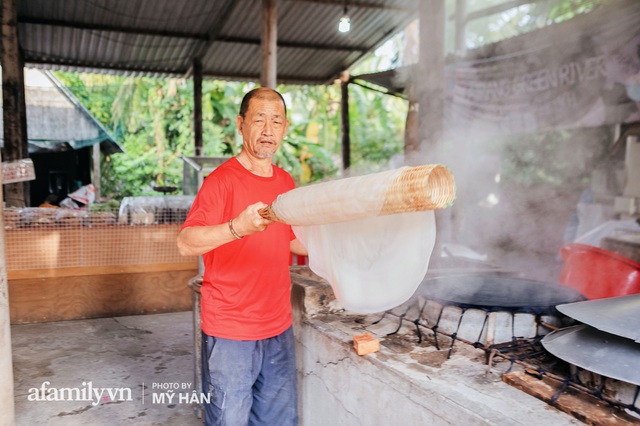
594	350
615	315
498	293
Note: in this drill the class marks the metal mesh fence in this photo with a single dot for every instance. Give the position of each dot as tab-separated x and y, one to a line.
137	233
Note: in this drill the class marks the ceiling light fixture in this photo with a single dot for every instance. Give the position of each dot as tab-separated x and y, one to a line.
345	23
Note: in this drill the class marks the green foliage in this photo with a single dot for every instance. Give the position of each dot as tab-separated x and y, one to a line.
310	151
152	120
522	19
108	207
567	9
97	96
377	126
562	158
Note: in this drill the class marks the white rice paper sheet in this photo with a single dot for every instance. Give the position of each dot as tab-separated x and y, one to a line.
375	263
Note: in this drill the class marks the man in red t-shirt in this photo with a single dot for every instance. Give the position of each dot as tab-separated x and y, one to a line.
248	362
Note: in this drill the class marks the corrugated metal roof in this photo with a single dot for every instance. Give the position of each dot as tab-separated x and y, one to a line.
56	120
162	37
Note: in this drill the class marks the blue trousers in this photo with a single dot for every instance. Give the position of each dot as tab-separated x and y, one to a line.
250	382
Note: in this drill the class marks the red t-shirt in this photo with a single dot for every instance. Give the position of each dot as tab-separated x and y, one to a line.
246	285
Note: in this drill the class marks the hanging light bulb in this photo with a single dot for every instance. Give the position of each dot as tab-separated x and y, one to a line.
345	23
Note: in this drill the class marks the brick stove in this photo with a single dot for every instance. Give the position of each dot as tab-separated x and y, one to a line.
469	370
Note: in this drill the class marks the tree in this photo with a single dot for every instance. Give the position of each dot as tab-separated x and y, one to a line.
521	19
152	119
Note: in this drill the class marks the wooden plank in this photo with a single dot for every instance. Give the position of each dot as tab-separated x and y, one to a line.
101	270
584	407
80	297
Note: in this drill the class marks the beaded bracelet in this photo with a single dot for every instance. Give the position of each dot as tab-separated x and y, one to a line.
233	231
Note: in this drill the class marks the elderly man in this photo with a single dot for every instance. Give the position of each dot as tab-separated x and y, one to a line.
248	345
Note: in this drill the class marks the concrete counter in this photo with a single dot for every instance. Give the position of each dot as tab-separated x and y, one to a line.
405	382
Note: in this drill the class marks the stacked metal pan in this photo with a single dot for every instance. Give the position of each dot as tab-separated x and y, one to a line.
608	340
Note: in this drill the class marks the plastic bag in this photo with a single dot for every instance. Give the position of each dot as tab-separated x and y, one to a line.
85	194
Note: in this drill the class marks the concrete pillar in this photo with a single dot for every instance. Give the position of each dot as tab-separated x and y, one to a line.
268	74
13	138
14	110
430	79
7	410
430	96
461	27
411	137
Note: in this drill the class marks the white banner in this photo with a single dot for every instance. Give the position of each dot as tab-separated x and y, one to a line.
582	73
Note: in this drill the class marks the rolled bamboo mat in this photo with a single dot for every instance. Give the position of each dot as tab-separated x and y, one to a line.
408	189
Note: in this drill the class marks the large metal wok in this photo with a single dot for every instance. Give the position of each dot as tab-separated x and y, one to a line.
498	293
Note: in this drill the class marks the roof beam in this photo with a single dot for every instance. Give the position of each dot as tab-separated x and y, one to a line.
214	31
411	5
292	44
288	79
112	28
336	73
53	64
56	62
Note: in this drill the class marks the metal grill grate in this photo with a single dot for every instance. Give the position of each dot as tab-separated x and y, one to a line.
527	352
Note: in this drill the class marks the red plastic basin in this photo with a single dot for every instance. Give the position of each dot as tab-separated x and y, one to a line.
597	273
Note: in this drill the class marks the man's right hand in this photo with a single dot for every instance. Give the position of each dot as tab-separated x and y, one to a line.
249	221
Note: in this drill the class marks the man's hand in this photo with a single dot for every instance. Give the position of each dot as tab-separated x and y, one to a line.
249	220
197	240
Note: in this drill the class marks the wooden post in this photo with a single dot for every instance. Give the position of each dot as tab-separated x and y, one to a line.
14	110
197	107
14	145
268	74
96	170
430	76
26	185
344	119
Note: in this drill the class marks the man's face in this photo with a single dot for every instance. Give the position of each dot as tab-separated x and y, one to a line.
263	127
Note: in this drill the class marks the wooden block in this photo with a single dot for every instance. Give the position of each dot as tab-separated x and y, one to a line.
365	344
583	406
